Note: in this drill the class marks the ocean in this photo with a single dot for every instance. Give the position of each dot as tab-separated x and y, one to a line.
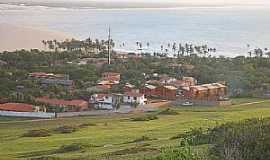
227	28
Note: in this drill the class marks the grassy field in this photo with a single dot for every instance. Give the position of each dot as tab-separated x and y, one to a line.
118	136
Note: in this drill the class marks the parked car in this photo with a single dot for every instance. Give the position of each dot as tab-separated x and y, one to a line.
187	104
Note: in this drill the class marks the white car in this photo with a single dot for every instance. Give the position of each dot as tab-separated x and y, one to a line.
187	104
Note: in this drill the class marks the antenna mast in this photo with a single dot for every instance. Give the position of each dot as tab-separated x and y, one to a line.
109	46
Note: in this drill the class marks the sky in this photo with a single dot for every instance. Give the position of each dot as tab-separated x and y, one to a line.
198	1
171	2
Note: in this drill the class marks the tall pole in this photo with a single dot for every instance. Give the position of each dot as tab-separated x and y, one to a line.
109	46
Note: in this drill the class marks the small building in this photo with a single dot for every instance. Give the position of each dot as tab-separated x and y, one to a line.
111	76
101	101
165	79
20	107
106	101
51	79
66	83
134	98
2	63
190	81
66	105
129	88
166	92
98	88
209	92
148	90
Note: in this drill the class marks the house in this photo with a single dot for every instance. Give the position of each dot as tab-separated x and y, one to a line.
3	100
2	63
129	88
66	105
20	107
98	89
110	79
101	101
66	83
106	101
148	90
165	79
111	76
44	75
166	92
207	92
51	79
134	98
190	81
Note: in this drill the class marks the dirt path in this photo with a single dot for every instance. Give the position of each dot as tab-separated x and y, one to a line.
250	103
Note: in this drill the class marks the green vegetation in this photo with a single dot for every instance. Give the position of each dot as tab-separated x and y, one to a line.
37	133
245	76
145	138
168	111
148	117
65	129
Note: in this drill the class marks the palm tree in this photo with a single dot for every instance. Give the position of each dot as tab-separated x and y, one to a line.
147	44
44	43
268	54
137	43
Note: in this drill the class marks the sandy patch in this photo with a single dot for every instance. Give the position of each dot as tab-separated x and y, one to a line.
15	37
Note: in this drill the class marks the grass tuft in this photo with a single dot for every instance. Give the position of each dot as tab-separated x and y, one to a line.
37	133
145	118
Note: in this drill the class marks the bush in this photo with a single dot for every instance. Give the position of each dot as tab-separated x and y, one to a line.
177	153
71	148
45	158
195	136
168	111
142	139
85	125
37	133
66	129
133	150
145	118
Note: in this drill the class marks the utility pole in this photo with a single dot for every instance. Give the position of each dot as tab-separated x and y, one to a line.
109	46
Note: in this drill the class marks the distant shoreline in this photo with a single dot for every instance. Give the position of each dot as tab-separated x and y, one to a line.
125	5
16	37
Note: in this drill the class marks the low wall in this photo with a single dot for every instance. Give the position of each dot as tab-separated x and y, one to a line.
205	103
27	114
85	113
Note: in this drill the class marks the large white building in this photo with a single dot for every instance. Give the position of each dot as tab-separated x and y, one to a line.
132	98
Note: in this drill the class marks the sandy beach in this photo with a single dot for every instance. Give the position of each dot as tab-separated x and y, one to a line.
15	37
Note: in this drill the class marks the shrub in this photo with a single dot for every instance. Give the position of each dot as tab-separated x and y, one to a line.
145	118
66	129
84	125
195	136
182	152
134	150
142	139
168	111
45	158
37	133
71	148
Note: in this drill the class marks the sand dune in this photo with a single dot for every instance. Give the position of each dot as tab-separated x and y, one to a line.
15	37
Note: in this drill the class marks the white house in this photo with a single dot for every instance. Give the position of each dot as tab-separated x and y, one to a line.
102	101
133	97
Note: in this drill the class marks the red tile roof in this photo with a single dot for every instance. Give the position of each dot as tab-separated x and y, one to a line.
111	74
134	94
17	107
78	103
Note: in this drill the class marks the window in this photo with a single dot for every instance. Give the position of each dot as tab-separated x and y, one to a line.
135	98
128	97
